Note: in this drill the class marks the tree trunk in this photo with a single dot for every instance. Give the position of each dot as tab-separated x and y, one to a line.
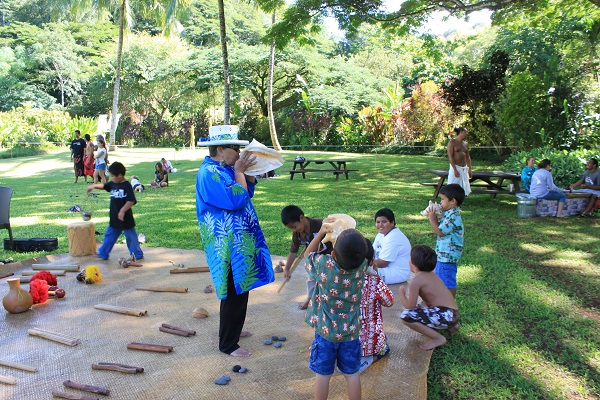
223	33
192	137
271	117
115	105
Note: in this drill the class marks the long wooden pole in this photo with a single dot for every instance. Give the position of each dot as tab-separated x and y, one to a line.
292	268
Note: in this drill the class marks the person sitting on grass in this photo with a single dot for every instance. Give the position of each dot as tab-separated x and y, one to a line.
440	311
304	230
121	220
161	177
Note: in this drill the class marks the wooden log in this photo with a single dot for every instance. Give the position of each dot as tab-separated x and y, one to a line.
191	332
8	379
121	310
86	388
72	396
58	272
137	369
164	289
158	348
55	337
49	267
23	367
117	368
173	331
2	276
189	270
24	279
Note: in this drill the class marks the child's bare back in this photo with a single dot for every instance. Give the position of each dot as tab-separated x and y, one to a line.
432	290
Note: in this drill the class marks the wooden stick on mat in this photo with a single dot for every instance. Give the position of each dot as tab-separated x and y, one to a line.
24	279
6	275
17	366
158	348
292	268
137	369
164	289
56	337
118	368
58	272
8	379
191	332
72	396
49	267
121	310
86	388
189	270
173	331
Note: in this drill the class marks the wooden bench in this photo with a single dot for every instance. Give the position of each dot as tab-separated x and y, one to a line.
337	173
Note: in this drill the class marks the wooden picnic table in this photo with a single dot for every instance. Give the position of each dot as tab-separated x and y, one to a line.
337	167
492	182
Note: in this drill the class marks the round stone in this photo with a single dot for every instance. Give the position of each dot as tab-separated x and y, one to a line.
274	338
282	338
243	370
236	368
268	342
278	344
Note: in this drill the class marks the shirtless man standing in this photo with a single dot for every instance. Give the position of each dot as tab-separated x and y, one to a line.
460	161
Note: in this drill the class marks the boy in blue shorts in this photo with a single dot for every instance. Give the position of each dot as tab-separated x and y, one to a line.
121	220
334	310
450	232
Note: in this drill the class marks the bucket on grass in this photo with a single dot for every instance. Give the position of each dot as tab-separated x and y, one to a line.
526	206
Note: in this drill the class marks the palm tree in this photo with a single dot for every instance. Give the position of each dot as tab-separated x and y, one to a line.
223	34
162	11
271	117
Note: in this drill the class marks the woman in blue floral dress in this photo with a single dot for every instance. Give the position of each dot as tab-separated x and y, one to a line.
235	247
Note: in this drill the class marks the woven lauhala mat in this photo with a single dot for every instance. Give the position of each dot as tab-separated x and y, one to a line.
189	371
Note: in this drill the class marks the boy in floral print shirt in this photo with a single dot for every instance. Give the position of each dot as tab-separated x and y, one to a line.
334	309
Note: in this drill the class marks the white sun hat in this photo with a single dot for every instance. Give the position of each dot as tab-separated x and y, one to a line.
219	135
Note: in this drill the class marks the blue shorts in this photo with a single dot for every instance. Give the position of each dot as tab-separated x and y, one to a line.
324	354
100	167
560	196
447	273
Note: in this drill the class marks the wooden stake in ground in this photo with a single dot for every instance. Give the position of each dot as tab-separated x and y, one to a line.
17	366
292	268
121	310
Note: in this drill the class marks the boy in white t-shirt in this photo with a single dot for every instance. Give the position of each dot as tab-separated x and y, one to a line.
392	249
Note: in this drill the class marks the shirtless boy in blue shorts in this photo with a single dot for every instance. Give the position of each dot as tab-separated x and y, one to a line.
439	310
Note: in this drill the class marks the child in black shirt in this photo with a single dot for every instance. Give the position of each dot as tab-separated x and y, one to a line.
122	199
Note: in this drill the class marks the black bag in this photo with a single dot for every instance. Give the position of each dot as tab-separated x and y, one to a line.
34	244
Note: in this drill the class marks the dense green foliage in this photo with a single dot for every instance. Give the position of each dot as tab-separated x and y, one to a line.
528	289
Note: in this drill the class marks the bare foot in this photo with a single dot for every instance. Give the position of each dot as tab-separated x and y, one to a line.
303	305
432	344
240	353
245	334
560	216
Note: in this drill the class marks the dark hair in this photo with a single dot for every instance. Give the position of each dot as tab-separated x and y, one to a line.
87	137
460	129
423	257
116	169
350	249
212	151
454	191
370	251
529	158
544	163
77	131
594	161
291	214
387	213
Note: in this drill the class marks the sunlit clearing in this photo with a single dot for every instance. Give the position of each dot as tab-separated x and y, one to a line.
536	249
469	273
487	249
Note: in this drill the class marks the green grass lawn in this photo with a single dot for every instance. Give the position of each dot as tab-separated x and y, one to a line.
528	289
